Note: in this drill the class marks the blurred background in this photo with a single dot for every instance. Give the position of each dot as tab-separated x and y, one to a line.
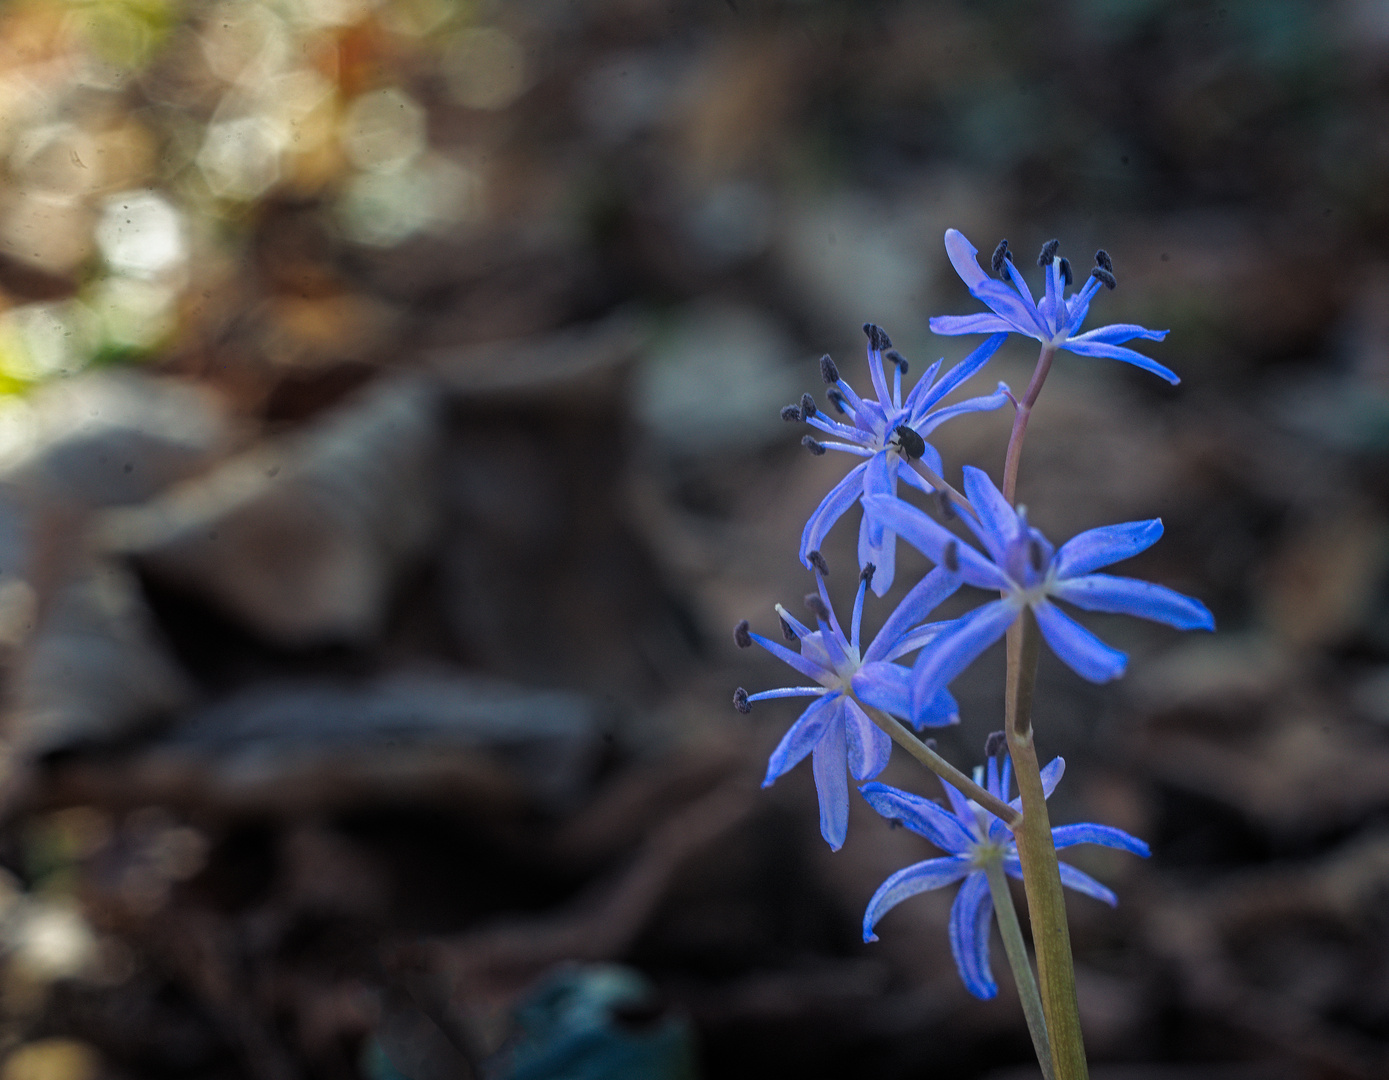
389	443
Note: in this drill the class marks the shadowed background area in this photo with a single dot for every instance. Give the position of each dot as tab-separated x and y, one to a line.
389	442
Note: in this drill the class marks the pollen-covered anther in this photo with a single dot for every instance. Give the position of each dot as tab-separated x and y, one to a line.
909	443
741	702
1048	252
828	371
742	635
817	606
786	631
1106	278
808	408
877	337
1000	254
892	356
995	744
944	506
1103	261
1066	271
1036	556
837	400
818	561
951	558
790	413
866	574
816	448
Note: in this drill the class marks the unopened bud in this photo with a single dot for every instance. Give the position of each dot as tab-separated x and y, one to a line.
816	448
952	557
1048	252
818	561
742	635
741	702
828	371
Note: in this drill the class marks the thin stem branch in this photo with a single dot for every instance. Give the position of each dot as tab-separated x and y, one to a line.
1016	949
1020	417
942	486
942	768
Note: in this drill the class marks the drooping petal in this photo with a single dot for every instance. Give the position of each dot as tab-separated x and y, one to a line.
1105	835
978	357
933	540
921	816
970	917
801	739
829	762
919	878
1120	352
982	323
832	507
869	746
925	596
998	521
964	258
1080	650
1094	548
955	649
1118	333
1129	596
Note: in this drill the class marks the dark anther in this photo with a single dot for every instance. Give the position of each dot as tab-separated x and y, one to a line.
1105	277
952	557
912	444
1066	271
828	371
931	745
807	407
790	413
866	574
1034	552
816	603
818	561
894	823
1103	261
877	337
741	702
742	636
837	400
786	631
814	447
1048	252
1000	253
892	356
995	743
944	505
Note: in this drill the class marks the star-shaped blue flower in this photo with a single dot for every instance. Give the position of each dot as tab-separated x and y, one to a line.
1056	318
976	839
890	433
835	728
1023	566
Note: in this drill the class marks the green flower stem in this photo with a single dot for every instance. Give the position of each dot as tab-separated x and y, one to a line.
942	768
1022	969
1023	410
1045	903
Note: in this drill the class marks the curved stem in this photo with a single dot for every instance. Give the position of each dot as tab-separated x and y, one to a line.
1020	417
1014	946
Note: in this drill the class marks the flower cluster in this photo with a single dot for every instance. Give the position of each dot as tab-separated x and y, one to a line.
860	694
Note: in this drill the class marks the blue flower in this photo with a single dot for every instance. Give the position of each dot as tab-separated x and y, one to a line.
975	839
890	433
835	728
1029	572
1055	320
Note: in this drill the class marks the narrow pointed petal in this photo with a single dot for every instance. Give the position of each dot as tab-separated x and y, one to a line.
789	692
878	546
1094	548
932	540
954	650
1080	650
803	664
921	816
908	882
829	762
970	918
1120	352
917	638
964	812
998	519
1064	836
923	386
1051	775
801	739
842	496
982	323
988	403
869	746
889	687
964	257
978	357
941	711
925	596
1129	596
1118	333
1083	883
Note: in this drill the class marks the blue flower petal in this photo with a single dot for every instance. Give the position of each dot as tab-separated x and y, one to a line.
925	596
1129	596
832	507
921	816
1000	298
1064	836
878	546
801	739
1051	775
955	649
829	762
987	403
970	917
799	661
932	540
1118	333
908	882
1083	883
982	323
980	356
998	521
869	746
1120	352
1080	650
1108	544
